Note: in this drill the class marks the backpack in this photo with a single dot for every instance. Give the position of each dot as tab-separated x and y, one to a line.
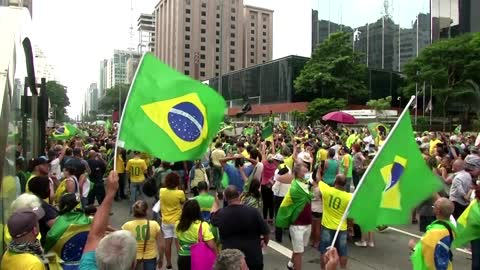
149	187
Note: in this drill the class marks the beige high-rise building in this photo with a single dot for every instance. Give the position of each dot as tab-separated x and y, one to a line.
187	36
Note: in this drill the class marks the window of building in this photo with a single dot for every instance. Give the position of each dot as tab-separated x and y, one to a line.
264	48
187	46
204	22
217	24
216	74
217	58
233	2
264	26
264	55
203	31
232	68
187	64
252	53
232	60
187	11
232	35
186	72
202	48
232	43
187	37
217	33
204	13
232	26
217	66
202	73
232	51
264	34
264	18
252	61
252	32
252	24
217	49
187	19
218	16
252	46
187	2
202	39
252	39
232	18
202	56
204	5
264	41
187	55
233	10
202	65
217	41
252	17
263	61
187	28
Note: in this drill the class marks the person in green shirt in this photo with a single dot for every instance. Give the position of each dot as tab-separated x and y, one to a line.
205	200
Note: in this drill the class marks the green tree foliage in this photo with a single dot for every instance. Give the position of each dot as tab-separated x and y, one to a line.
321	106
57	94
109	102
452	67
380	104
334	71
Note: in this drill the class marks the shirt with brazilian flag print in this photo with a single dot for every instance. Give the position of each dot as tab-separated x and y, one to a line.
190	236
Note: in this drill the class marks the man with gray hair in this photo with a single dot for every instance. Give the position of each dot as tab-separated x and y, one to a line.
117	250
461	184
230	259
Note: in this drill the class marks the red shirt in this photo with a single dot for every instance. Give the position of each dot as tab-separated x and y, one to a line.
268	172
305	217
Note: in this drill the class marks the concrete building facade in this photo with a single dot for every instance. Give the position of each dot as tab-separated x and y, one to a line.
189	35
117	67
146	33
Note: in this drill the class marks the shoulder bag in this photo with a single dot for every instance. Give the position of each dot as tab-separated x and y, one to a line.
202	256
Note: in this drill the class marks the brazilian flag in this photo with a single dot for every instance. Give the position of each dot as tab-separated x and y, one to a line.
267	131
248	131
468	227
377	128
65	132
292	205
169	115
108	126
396	181
68	236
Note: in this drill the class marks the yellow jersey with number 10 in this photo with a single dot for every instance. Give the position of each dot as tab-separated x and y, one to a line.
335	203
136	167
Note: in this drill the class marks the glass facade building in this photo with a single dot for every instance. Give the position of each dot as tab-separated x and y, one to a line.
266	83
390	33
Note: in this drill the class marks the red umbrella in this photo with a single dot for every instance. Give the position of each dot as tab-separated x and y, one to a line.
340	117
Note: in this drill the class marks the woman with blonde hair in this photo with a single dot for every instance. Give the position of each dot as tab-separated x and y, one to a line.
149	237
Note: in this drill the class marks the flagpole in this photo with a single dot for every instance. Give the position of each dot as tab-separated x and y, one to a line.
357	188
123	112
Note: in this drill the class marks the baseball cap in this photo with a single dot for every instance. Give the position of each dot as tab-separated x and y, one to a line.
278	157
38	161
24	220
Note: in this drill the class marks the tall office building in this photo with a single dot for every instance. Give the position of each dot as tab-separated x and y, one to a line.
117	67
102	80
188	38
146	33
92	98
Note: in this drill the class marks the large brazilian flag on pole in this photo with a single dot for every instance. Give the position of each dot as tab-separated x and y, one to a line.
169	115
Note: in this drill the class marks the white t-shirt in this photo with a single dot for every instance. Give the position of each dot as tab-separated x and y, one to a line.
55	168
368	140
279	189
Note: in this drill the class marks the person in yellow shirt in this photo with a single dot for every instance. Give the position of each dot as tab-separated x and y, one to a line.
149	237
335	200
136	167
322	155
242	150
120	169
171	200
25	251
433	143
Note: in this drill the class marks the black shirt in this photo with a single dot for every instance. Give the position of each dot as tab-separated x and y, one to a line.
240	227
98	169
50	213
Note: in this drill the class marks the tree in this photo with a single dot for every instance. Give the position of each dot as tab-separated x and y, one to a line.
451	67
380	104
320	106
57	94
109	102
334	71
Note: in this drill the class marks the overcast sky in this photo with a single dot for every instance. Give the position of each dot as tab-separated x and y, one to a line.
76	35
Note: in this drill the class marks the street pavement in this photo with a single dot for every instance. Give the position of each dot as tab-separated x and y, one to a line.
391	250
